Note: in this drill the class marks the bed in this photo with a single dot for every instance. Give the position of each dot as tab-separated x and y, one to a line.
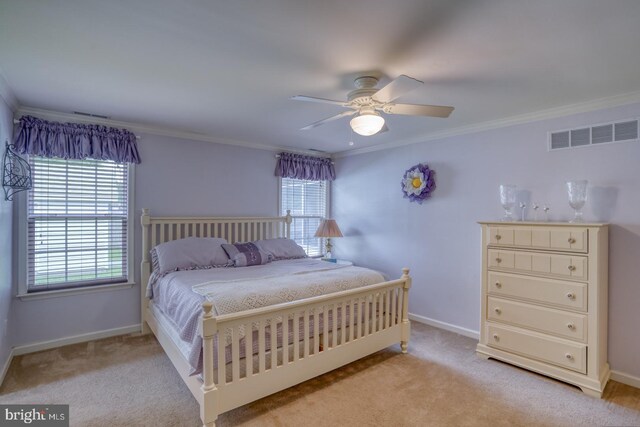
243	354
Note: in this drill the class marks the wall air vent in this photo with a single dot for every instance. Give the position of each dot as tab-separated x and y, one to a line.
626	131
594	135
601	134
99	116
580	137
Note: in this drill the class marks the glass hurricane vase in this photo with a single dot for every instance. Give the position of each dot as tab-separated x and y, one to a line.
507	200
577	192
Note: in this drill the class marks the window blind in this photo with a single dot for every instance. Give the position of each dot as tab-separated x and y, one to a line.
307	201
76	223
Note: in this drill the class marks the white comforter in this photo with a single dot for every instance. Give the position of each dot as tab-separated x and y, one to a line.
285	282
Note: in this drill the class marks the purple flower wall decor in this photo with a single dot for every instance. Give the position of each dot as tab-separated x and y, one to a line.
418	182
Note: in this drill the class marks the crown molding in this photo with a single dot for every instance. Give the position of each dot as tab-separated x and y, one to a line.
139	128
7	93
551	113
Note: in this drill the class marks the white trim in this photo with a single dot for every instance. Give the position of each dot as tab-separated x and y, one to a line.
618	376
446	326
131	243
327	201
55	293
624	378
7	363
19	217
279	195
75	339
154	130
7	94
550	113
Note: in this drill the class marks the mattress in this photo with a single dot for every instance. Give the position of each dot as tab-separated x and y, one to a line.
170	328
179	295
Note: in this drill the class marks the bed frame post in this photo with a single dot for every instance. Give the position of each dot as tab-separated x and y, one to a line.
288	219
209	408
406	324
145	270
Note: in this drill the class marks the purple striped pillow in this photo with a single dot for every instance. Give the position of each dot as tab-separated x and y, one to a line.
245	254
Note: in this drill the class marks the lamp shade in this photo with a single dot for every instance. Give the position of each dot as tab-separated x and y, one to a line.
367	124
328	228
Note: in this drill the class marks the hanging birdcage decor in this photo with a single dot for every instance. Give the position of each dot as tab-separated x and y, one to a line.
16	173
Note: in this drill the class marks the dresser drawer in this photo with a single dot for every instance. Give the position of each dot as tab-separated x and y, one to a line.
548	349
559	293
567	239
547	320
550	264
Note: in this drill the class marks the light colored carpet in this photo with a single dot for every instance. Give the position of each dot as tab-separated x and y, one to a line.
441	382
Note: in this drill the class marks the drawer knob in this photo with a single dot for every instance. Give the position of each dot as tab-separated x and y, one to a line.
571	295
497	310
571	267
498	285
496	337
498	260
569	356
498	237
571	240
571	326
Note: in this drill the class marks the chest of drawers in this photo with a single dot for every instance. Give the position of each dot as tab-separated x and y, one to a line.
544	299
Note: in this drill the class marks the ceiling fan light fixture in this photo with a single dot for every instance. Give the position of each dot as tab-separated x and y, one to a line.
367	124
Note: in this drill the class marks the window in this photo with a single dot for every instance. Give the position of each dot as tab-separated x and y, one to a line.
77	223
307	201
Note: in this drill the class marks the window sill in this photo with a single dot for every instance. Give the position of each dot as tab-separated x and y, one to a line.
73	291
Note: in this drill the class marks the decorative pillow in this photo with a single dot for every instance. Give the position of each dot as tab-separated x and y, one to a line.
189	253
281	248
245	254
155	263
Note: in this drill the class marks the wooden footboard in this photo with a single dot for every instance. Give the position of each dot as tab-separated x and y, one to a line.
344	339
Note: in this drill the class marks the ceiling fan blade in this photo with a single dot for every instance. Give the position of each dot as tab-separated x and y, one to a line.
418	110
320	100
396	88
329	119
385	128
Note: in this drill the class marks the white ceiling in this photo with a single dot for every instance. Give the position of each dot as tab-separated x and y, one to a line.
227	68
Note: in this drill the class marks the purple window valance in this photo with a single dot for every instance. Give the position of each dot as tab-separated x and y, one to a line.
39	137
305	167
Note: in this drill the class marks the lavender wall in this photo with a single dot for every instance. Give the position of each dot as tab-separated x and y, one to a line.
6	259
176	177
440	240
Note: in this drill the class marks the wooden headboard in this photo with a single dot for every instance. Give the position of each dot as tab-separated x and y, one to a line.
156	230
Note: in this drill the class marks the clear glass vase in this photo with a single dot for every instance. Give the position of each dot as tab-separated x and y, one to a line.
508	200
577	191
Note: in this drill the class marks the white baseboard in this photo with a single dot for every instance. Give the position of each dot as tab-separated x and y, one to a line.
618	376
627	379
446	326
5	368
46	345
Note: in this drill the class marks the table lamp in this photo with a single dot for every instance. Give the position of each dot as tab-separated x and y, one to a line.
328	228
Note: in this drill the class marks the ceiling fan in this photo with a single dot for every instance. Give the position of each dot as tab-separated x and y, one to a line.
365	102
